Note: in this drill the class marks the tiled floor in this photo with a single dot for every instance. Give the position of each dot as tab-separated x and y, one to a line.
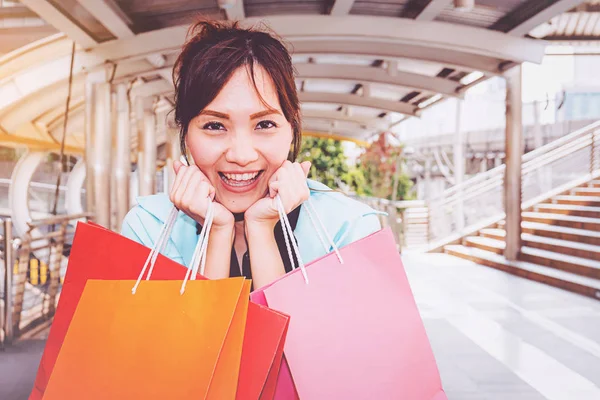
496	336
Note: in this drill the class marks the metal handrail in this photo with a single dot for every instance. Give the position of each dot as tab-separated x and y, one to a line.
531	157
18	315
538	161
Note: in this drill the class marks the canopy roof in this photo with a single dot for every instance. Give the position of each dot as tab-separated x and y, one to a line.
363	66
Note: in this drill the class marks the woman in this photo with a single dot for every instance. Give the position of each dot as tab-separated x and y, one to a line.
239	117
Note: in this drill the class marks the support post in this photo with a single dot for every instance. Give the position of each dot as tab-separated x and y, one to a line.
514	154
122	169
459	167
147	161
102	149
7	334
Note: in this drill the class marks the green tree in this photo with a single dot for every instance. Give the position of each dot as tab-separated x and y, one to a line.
330	164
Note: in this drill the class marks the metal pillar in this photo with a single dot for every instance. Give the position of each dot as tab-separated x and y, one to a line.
102	150
7	323
89	150
514	154
122	163
427	178
147	158
459	167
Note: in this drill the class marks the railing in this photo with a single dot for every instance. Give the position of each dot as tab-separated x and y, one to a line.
547	171
30	285
408	219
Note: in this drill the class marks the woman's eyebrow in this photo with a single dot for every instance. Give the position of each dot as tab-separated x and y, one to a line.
263	113
214	114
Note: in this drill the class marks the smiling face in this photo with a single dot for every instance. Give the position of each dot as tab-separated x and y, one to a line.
238	142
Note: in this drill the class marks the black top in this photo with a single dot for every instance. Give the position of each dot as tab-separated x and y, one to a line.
234	269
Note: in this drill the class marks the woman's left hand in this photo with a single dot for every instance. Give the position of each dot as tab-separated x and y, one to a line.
289	181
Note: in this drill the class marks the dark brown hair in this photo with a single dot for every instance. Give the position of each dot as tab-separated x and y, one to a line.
212	52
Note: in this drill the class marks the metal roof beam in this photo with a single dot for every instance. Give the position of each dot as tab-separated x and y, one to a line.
399	78
342	7
59	19
477	48
432	10
109	17
360	101
371	123
531	14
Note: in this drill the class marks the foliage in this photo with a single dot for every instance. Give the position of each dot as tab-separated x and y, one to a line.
373	175
382	164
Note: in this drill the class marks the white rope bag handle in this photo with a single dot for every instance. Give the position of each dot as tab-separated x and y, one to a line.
199	256
288	234
159	246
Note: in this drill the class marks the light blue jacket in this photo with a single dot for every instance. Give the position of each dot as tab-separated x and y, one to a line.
345	219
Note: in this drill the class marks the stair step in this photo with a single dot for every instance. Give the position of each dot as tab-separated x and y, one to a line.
484	243
576	265
493	233
559	232
567	247
562	279
570	221
595	183
569	209
586	191
578	200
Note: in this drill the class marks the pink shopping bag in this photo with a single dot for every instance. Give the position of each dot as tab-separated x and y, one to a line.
355	331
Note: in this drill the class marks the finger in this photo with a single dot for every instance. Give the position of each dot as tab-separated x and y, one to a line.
306	167
177	165
199	194
177	183
188	198
187	175
273	189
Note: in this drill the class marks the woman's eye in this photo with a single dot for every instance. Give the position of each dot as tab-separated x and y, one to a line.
213	126
266	125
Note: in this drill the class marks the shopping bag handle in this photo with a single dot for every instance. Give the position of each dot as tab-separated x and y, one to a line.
159	246
199	255
288	234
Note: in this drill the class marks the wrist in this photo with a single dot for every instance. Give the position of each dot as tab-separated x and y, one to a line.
261	228
224	231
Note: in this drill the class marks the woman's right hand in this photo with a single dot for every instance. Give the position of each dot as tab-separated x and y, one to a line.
190	194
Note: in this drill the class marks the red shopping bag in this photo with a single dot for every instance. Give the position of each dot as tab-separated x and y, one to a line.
98	253
261	356
281	386
355	330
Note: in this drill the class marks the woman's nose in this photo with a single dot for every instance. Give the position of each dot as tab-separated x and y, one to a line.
241	150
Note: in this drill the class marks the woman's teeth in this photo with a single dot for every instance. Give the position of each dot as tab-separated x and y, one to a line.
239	179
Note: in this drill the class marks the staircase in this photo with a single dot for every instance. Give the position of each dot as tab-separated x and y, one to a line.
560	219
561	243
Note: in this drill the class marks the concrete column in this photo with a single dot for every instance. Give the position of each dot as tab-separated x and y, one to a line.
102	152
122	162
173	153
514	154
89	150
147	155
427	173
459	166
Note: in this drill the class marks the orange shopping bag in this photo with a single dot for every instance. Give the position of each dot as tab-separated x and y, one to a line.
154	344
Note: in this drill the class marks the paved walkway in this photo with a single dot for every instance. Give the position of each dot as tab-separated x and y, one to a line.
499	337
495	336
